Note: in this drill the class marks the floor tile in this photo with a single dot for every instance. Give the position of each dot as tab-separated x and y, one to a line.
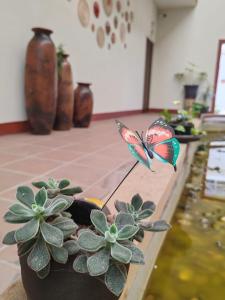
61	155
33	166
9	179
7	275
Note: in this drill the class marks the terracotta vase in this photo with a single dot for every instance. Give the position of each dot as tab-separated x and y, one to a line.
64	111
41	82
83	105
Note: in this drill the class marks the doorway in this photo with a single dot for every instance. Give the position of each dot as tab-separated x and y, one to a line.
148	71
219	92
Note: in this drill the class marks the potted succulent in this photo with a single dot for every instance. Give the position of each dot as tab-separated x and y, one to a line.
62	259
191	78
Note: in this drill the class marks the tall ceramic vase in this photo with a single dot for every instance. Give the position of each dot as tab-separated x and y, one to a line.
83	105
41	82
64	111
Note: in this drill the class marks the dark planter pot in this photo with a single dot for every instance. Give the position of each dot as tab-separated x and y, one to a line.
190	91
83	105
187	125
185	139
63	283
41	82
64	111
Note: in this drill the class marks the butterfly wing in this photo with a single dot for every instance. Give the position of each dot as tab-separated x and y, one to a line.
167	151
140	154
160	140
134	144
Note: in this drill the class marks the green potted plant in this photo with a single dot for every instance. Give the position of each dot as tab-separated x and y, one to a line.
64	260
191	78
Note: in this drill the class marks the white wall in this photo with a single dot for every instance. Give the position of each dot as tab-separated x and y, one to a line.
185	35
117	75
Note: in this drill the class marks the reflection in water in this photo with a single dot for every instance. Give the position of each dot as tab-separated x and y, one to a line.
191	265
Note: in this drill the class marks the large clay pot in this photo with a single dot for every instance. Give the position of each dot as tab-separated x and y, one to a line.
83	105
41	82
64	111
63	283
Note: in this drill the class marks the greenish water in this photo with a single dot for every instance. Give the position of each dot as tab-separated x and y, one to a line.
191	264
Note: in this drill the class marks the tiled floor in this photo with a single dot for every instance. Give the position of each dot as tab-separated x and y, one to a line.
95	158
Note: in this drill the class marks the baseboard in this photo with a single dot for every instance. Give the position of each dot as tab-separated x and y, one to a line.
14	127
116	114
23	126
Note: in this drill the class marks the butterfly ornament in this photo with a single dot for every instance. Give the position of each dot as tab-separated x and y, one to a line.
158	143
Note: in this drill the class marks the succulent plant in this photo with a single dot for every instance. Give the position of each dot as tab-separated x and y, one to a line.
45	229
55	187
103	250
108	250
138	211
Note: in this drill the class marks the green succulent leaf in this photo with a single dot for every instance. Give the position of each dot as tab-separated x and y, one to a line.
24	248
64	183
121	206
12	218
40	184
98	263
25	195
127	232
115	278
9	238
109	237
51	234
137	254
39	257
144	214
156	226
149	205
65	224
53	183
123	219
99	220
41	197
59	255
137	202
139	236
72	247
44	272
80	264
121	253
71	191
57	206
89	241
28	231
20	210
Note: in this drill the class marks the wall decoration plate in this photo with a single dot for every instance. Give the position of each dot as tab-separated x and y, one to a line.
96	9
93	27
113	38
107	28
115	21
128	28
100	37
84	13
118	6
123	32
108	7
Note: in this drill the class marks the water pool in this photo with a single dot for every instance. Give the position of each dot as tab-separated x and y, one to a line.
191	263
